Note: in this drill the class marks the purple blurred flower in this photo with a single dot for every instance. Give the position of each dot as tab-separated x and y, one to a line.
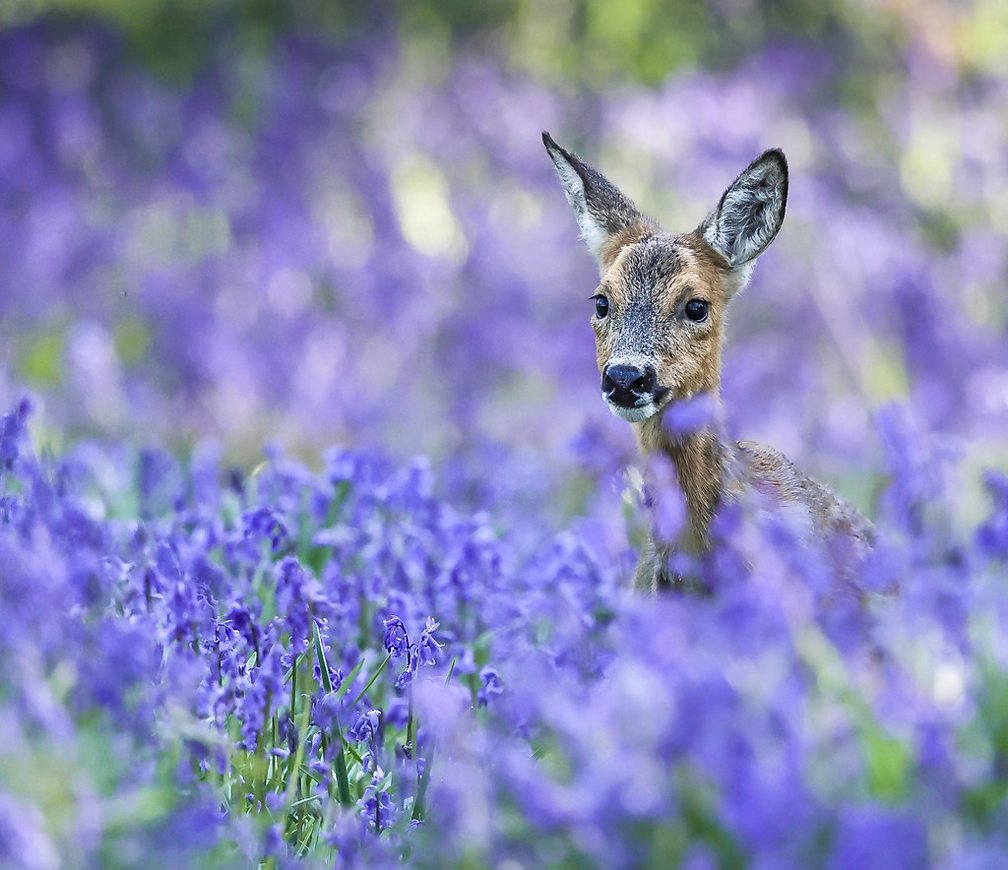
12	432
877	838
992	535
23	839
691	415
265	524
490	686
664	498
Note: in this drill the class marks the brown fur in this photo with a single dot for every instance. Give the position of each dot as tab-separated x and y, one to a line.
689	362
618	241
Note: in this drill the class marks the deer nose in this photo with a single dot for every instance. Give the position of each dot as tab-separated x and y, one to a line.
624	385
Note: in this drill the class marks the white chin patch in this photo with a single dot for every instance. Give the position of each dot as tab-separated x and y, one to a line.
633	415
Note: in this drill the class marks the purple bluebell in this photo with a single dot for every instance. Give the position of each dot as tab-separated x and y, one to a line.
395	638
428	647
490	686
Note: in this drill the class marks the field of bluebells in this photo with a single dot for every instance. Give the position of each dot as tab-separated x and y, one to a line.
316	538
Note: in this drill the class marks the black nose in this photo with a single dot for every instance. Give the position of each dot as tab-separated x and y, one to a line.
624	385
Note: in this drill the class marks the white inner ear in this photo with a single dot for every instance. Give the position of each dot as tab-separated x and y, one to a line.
593	233
748	217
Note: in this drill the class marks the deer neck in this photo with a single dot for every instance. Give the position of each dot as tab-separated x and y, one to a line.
701	460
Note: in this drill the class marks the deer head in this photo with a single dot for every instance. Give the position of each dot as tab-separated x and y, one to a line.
660	305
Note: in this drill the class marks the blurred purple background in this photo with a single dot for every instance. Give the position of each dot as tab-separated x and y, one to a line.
360	240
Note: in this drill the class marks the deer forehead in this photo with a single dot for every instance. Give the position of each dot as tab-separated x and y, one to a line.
661	271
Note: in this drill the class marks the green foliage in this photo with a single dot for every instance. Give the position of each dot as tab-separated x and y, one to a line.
587	41
41	357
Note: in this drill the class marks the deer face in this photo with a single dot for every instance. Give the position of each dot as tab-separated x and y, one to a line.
659	308
658	318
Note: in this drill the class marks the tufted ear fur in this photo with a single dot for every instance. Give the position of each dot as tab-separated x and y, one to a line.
608	219
750	212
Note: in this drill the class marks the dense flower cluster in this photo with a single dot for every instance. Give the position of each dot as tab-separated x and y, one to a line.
247	668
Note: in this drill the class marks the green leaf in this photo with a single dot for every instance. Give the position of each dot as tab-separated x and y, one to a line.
320	654
374	677
340	768
421	795
339	764
890	765
348	680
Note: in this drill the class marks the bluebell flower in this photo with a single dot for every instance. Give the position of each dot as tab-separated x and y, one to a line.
992	535
376	805
876	836
13	428
335	676
691	415
365	727
266	525
405	677
395	638
428	646
490	686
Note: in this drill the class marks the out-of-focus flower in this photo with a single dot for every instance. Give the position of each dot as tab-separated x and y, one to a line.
691	415
12	431
992	536
490	686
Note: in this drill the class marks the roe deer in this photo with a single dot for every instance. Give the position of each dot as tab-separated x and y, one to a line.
659	321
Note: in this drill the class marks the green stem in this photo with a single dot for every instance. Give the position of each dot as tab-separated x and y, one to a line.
418	804
409	723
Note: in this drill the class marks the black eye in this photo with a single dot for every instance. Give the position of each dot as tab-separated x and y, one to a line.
696	310
601	307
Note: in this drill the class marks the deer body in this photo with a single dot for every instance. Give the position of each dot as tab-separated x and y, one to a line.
712	470
659	323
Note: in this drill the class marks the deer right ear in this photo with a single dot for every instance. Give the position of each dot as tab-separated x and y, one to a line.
751	211
608	219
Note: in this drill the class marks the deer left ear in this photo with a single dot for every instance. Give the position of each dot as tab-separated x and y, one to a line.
607	217
751	211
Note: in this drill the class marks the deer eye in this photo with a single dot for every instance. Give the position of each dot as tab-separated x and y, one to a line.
696	310
601	306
